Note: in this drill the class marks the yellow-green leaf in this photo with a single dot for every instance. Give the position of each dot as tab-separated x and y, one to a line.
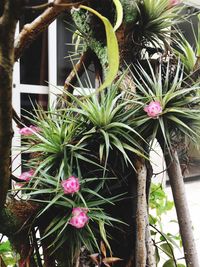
112	49
119	10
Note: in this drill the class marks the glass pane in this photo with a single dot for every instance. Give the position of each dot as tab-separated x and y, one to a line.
34	62
65	50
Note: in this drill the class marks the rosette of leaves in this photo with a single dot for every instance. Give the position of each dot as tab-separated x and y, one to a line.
155	19
107	116
88	131
180	117
56	209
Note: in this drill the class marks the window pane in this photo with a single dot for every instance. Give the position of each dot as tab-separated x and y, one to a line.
34	62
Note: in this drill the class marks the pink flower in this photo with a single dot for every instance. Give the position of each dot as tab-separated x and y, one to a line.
154	109
79	217
26	176
71	185
174	3
29	130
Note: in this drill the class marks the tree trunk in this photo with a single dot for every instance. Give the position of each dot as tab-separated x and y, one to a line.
182	209
8	23
141	214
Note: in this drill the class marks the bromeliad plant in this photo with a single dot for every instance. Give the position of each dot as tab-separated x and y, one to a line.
72	173
169	109
154	22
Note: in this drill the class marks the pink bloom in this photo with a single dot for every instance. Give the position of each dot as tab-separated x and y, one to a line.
154	109
174	3
29	130
71	185
26	176
79	217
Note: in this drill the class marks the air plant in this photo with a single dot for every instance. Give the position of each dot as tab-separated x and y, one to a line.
155	19
176	112
74	175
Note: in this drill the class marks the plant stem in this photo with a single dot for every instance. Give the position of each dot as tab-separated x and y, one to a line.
141	214
182	209
77	71
151	259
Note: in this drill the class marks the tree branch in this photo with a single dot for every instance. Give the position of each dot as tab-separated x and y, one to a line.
77	71
31	31
53	4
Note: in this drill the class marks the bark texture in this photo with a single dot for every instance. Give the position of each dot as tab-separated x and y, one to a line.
8	21
141	215
182	209
151	259
31	31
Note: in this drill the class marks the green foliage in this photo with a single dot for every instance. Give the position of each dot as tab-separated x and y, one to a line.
130	11
99	134
5	247
155	18
112	44
180	117
78	141
186	54
9	257
170	263
163	242
119	12
158	201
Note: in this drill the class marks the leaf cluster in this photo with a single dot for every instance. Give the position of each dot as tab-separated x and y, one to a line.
81	141
179	101
155	19
164	242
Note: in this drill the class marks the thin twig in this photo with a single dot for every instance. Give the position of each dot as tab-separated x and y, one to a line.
39	7
53	4
77	71
171	250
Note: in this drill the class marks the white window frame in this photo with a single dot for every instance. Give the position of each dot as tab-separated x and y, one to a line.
18	89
